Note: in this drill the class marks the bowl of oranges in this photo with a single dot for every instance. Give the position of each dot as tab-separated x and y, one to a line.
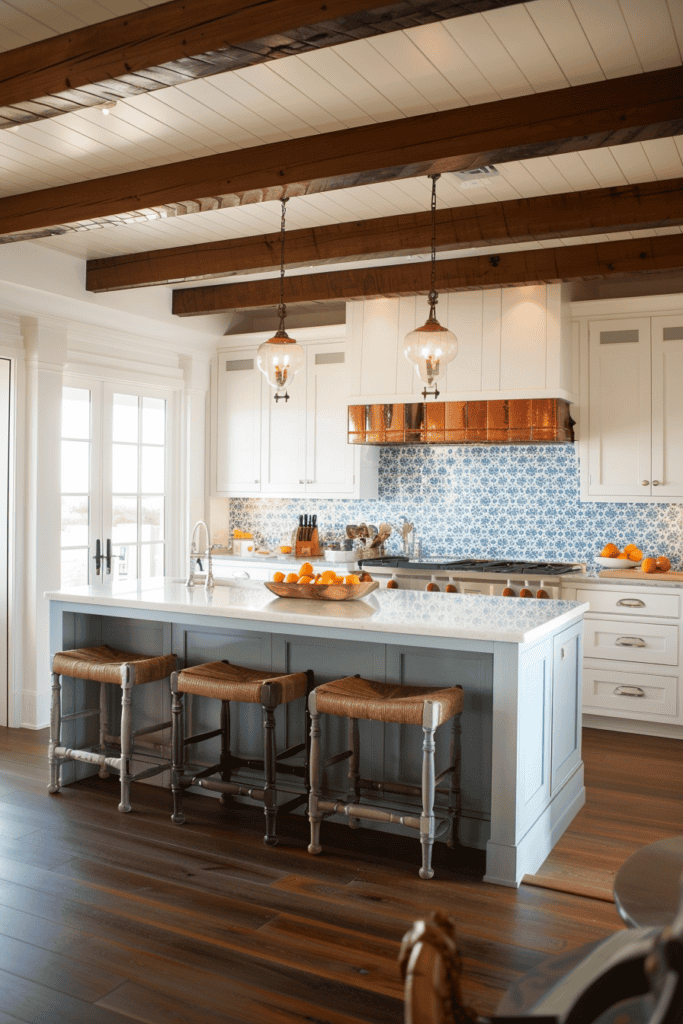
322	586
612	558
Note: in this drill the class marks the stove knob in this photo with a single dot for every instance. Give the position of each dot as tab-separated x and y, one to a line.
525	592
508	592
451	588
433	586
392	585
542	594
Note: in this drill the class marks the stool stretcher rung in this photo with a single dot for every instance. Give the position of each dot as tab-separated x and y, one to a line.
370	813
152	728
396	787
200	737
232	787
291	751
336	758
88	757
290	805
444	773
90	713
148	772
206	772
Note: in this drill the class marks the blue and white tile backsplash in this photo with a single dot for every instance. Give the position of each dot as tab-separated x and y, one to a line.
516	502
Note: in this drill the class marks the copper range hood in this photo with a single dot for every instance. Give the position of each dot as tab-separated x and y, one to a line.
508	421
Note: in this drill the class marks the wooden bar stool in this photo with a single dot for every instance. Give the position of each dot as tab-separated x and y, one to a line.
104	665
356	698
225	682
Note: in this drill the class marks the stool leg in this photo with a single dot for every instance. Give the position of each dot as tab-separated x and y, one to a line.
104	715
314	815
225	798
354	769
269	764
55	733
454	796
178	750
427	829
126	736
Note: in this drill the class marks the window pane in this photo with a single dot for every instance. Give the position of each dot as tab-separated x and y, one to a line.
125	425
153	469
125	468
151	560
124	528
75	412
75	467
74	567
75	518
152	519
153	420
124	564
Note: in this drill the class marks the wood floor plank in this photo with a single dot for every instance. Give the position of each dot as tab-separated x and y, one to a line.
55	971
36	1004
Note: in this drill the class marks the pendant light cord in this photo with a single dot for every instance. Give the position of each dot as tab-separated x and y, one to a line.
433	294
282	309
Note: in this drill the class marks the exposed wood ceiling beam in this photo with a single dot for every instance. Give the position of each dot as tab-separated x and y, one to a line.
588	116
179	41
565	263
649	205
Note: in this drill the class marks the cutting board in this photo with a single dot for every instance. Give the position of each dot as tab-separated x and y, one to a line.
638	574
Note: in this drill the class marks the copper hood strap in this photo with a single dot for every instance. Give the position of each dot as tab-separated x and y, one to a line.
507	421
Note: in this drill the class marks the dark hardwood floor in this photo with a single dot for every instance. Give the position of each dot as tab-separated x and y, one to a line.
107	918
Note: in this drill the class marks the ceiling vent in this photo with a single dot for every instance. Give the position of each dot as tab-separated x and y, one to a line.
477	177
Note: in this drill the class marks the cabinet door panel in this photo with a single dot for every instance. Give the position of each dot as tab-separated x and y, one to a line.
238	422
284	438
620	408
667	407
329	459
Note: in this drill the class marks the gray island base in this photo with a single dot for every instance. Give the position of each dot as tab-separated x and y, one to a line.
518	662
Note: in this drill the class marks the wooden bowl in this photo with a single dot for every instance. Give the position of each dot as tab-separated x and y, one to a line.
323	592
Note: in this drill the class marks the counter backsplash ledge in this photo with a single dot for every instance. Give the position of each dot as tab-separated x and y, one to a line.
481	502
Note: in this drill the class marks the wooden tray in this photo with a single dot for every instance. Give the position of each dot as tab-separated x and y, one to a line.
322	592
638	574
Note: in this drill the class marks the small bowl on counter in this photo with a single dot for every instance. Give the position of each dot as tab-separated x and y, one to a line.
617	563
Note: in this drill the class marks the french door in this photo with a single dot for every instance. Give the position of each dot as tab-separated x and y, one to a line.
117	502
5	381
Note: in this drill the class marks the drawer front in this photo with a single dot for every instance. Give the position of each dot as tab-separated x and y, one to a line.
643	642
632	602
631	694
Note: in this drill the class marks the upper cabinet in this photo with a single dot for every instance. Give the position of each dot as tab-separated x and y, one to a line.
287	449
512	343
631	418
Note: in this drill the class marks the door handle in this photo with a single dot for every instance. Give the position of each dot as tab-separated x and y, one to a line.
629	691
97	557
630	641
108	556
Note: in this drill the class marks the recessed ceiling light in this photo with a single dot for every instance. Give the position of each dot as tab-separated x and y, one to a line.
477	177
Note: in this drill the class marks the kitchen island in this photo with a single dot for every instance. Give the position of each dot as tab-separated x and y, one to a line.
518	662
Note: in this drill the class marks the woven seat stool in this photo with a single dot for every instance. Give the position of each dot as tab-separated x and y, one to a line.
105	666
225	682
356	698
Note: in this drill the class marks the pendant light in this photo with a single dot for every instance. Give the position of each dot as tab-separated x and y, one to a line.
280	357
431	346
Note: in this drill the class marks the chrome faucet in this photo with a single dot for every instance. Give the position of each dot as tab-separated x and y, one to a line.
195	556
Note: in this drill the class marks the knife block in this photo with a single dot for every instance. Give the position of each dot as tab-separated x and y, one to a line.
307	548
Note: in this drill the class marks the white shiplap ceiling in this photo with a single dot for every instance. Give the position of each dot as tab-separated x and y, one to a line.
513	51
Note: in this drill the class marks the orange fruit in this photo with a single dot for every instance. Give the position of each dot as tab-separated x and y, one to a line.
278	577
329	576
649	565
663	563
351	579
628	547
635	554
618	556
610	551
292	578
306	569
305	579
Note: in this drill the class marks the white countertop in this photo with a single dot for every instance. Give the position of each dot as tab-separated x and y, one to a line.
576	579
407	612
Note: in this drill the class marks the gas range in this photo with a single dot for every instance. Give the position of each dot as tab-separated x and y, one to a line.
493	577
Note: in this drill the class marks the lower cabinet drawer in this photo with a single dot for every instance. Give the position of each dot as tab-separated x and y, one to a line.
629	693
644	642
632	603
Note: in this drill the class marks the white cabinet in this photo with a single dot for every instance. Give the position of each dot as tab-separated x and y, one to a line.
512	343
631	421
287	449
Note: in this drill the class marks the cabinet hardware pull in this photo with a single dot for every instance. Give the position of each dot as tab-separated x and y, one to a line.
631	602
255	481
629	691
630	641
645	483
300	481
310	481
655	483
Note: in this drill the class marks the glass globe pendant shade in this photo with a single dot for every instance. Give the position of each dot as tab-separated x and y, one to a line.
430	347
279	358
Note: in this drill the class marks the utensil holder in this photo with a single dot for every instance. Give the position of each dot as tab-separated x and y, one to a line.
310	546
